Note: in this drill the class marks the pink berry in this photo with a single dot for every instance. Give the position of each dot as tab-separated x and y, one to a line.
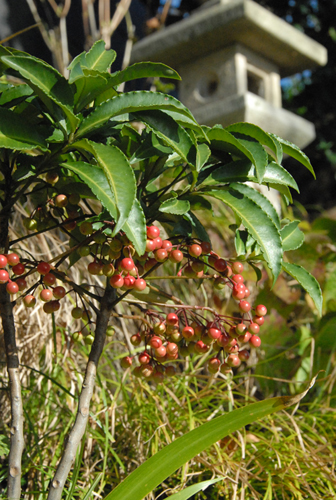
46	295
253	328
237	267
13	259
244	306
12	288
3	261
29	301
255	341
238	278
4	276
261	310
195	250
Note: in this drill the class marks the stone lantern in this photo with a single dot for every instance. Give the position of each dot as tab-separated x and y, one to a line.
231	55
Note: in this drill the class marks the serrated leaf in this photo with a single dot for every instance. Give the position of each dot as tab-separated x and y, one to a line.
170	132
292	237
243	170
130	102
193	489
135	228
257	223
18	134
292	150
95	178
259	199
225	141
175	206
143	70
15	94
98	58
186	122
307	281
157	468
46	82
88	87
260	135
120	177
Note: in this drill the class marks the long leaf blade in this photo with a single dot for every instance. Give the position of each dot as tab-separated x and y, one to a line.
193	489
307	281
17	134
292	237
143	70
135	228
292	150
258	224
127	103
160	466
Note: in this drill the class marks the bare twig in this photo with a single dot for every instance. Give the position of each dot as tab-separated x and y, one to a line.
16	431
76	434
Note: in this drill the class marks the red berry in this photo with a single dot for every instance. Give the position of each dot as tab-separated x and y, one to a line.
46	295
172	348
223	340
12	288
241	328
238	278
127	264
247	292
253	328
18	269
13	259
167	245
155	342
244	306
260	320
144	358
172	319
3	261
214	333
51	307
158	242
245	338
129	282
49	279
176	256
59	292
43	267
161	255
160	351
233	360
21	283
220	265
237	267
238	294
261	310
117	281
214	365
139	284
244	355
188	332
29	301
126	362
4	276
153	232
255	341
136	339
195	250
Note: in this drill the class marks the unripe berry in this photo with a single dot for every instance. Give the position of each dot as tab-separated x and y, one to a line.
214	365
237	267
146	371
74	199
95	268
241	328
219	283
136	339
253	328
176	336
51	177
29	301
61	200
233	360
84	251
108	270
13	259
150	245
260	310
225	369
110	331
70	224
176	256
30	224
170	371
88	340
77	312
86	228
86	316
46	295
195	250
149	264
49	279
159	327
12	288
126	362
197	266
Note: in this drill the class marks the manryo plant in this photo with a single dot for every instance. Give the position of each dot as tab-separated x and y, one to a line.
121	177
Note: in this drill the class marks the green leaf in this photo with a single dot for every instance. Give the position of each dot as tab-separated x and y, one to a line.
307	281
120	177
143	70
260	135
292	237
186	122
165	462
18	134
88	87
193	489
15	94
46	82
243	170
95	178
202	156
130	102
256	270
198	227
135	228
175	206
240	242
258	224
223	140
259	199
170	132
292	150
98	58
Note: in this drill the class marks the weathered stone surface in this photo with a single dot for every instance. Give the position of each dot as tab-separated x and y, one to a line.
212	28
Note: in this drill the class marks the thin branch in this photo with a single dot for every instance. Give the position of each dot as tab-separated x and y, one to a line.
16	430
76	434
